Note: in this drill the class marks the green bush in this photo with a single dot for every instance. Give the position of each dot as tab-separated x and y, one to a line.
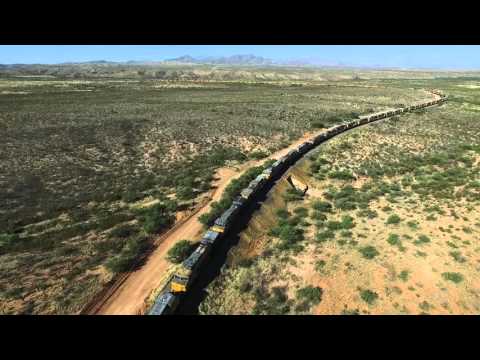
308	296
282	213
317	215
276	303
290	234
346	224
394	239
368	213
257	155
404	275
454	277
8	241
185	193
180	251
317	124
341	175
368	296
325	235
158	217
422	239
132	249
369	252
457	256
322	206
320	265
393	219
293	195
123	231
301	211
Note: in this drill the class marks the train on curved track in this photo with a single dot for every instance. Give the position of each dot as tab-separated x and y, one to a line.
179	284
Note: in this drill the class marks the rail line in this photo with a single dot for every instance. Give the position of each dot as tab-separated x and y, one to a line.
184	281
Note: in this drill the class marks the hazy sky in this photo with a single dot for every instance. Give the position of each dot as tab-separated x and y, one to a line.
410	56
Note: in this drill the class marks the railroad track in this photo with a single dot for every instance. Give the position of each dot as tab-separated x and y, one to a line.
184	280
96	304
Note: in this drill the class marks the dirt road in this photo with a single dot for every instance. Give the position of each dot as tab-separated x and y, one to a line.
128	299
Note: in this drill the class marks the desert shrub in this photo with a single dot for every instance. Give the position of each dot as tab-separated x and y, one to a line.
452	276
393	239
317	215
346	223
322	206
274	303
317	124
246	263
245	286
368	213
393	219
320	265
422	239
451	244
308	296
457	256
301	211
350	312
132	249
404	275
341	175
257	155
325	235
368	296
412	224
282	213
119	264
290	236
369	252
293	195
158	217
8	241
180	251
185	193
123	231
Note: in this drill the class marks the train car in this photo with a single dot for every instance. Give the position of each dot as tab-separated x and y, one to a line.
239	201
320	138
248	192
253	187
222	223
210	237
292	155
277	166
189	270
268	172
351	124
305	147
364	120
165	304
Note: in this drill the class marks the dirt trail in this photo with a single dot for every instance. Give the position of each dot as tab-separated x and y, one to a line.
128	298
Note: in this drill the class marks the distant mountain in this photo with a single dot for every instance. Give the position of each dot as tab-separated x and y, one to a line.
224	60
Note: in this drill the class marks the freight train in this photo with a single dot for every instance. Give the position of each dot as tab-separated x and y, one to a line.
179	284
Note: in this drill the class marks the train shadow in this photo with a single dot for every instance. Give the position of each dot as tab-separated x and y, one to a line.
190	302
